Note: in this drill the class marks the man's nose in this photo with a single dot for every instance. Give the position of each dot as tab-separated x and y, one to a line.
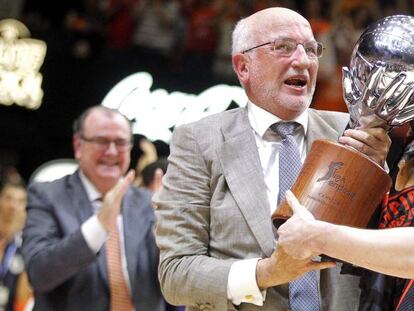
112	149
301	59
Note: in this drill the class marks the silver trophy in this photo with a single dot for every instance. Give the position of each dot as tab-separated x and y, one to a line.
379	85
378	89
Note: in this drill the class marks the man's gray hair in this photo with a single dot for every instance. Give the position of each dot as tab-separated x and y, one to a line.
243	36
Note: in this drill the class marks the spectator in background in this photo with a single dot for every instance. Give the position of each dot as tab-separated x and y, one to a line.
84	26
149	167
155	33
350	18
15	291
152	174
71	244
201	39
264	4
231	12
328	94
119	22
145	154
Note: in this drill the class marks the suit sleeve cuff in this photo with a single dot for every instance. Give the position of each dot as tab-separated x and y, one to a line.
242	285
94	233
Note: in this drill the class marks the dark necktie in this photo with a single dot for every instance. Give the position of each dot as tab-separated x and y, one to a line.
303	292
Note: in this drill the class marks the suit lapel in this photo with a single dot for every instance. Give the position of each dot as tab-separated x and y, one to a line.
84	211
241	165
81	204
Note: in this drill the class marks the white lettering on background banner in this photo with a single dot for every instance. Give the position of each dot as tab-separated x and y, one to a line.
157	112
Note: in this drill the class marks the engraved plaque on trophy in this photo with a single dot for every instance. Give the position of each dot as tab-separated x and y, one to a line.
337	183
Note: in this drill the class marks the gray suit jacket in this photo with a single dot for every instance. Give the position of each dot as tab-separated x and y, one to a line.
213	209
65	273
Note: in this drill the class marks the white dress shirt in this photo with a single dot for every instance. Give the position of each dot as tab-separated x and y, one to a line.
93	231
242	286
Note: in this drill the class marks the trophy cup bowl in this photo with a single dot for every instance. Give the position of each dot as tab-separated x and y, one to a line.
337	183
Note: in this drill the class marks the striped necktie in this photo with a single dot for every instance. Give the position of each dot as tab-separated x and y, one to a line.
406	302
120	296
303	292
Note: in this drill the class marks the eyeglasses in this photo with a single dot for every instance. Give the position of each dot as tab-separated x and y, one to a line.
102	143
286	47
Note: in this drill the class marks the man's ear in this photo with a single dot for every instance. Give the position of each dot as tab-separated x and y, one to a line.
76	146
241	65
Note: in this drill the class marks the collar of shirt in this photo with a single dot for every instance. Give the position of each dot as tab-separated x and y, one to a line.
91	191
261	120
268	144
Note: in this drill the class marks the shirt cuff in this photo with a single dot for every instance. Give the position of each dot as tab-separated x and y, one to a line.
94	233
242	285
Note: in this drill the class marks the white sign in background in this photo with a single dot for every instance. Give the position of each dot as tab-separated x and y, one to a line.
20	60
156	112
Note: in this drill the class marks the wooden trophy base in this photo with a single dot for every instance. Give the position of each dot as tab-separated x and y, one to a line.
338	185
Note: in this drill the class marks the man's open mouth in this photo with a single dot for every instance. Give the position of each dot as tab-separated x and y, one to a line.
296	82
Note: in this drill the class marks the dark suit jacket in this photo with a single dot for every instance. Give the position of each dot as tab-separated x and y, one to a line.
65	273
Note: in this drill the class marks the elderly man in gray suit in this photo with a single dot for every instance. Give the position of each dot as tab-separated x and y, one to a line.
217	245
89	242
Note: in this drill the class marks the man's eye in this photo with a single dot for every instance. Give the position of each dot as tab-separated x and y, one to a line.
121	142
101	141
283	47
310	50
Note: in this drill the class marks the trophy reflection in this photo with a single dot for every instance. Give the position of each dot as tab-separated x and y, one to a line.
337	183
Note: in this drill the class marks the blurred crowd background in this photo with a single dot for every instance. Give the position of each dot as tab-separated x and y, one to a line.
183	44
